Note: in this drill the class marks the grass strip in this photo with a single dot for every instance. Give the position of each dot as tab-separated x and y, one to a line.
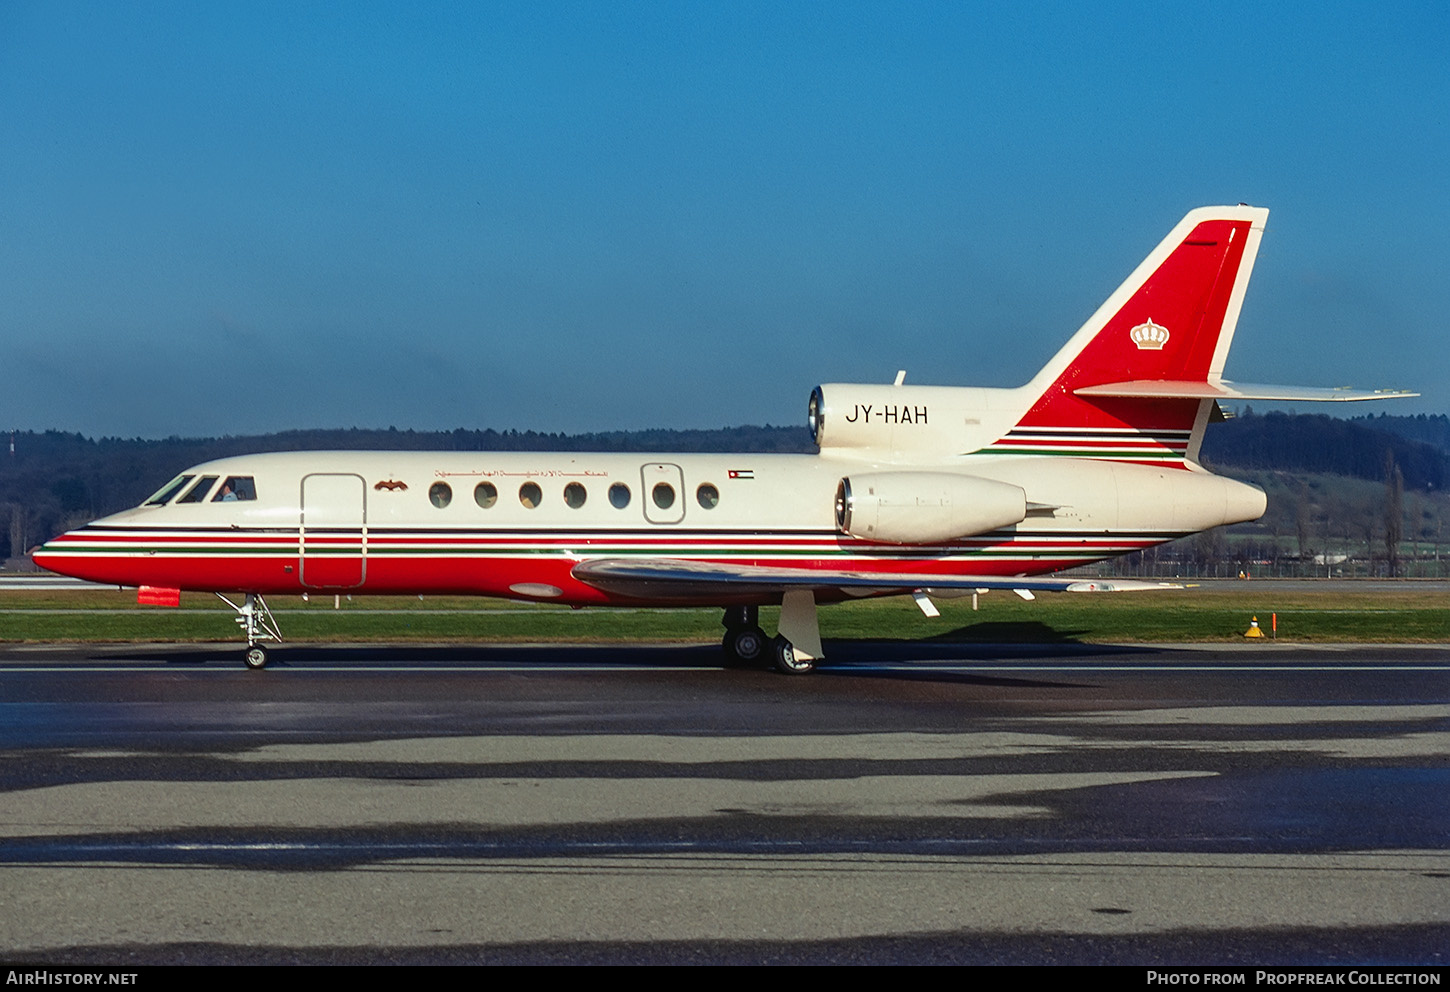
1382	616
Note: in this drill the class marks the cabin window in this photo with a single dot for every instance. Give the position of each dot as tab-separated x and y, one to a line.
236	488
619	495
198	492
485	494
440	494
575	495
708	496
530	495
166	492
664	495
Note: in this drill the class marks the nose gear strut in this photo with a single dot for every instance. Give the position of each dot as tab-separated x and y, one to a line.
258	624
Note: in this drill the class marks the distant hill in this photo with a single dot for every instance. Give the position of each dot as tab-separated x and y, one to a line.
56	480
1431	429
1321	444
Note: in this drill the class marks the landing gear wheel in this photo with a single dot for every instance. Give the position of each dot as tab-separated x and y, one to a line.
744	645
257	624
787	662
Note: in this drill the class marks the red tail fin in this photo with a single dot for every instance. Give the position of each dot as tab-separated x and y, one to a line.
1173	319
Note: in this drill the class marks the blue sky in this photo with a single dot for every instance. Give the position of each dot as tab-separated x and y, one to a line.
239	218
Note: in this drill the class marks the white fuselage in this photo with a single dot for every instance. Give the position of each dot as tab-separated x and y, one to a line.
515	524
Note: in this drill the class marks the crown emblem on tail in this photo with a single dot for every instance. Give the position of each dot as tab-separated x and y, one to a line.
1149	336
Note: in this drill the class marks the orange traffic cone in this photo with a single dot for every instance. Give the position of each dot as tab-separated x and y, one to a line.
1254	630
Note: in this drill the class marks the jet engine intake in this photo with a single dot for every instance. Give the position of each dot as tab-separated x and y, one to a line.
924	507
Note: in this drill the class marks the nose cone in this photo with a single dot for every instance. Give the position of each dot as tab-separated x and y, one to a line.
62	554
90	552
1243	502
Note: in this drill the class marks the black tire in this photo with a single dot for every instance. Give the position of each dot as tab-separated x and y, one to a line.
255	658
744	645
787	662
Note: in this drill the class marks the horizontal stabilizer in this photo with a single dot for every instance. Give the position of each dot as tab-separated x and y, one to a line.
1120	585
1225	390
690	581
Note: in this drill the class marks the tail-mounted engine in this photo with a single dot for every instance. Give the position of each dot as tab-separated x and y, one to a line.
924	507
860	418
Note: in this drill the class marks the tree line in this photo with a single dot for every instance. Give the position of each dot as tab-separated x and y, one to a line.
53	480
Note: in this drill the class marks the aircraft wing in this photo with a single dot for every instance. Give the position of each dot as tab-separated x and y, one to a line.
674	579
1225	390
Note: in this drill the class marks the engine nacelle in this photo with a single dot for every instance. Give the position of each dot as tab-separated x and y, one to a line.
852	418
924	507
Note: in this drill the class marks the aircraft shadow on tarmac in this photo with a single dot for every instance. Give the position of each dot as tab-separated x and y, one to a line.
1032	632
844	658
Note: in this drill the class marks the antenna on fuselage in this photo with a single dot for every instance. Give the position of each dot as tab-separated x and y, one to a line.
900	377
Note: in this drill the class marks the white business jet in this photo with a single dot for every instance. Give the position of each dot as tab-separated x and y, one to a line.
920	490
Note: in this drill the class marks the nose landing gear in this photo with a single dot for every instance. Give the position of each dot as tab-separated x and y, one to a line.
258	624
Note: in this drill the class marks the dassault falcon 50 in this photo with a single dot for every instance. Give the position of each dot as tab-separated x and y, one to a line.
920	490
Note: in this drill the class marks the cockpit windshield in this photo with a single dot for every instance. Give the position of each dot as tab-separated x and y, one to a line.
234	489
198	492
166	492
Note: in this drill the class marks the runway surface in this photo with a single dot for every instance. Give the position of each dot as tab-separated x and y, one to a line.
1251	804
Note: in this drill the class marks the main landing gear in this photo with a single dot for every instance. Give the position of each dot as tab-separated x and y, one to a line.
744	642
258	624
796	648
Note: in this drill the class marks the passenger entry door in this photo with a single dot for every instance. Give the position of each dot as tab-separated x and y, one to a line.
664	493
334	531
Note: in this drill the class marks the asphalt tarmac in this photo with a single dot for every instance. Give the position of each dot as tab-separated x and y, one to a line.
1256	804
